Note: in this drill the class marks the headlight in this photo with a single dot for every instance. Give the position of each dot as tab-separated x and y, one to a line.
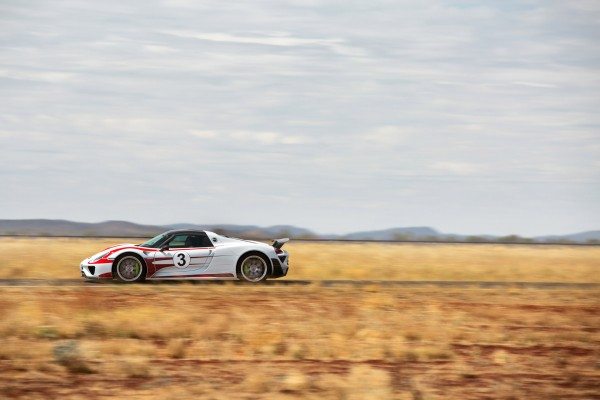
99	256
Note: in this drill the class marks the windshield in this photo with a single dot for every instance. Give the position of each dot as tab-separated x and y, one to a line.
155	241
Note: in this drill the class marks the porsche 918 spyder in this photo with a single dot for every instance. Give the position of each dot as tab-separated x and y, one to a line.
189	254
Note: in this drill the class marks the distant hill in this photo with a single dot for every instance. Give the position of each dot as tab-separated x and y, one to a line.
56	227
574	237
394	234
59	227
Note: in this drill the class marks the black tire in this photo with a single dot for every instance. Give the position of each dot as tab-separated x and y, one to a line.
137	276
251	261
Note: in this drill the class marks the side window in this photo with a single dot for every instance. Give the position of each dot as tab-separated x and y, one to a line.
203	240
178	241
190	241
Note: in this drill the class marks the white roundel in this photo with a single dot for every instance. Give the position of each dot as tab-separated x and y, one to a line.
181	259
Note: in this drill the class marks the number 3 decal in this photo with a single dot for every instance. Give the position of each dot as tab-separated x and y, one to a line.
181	259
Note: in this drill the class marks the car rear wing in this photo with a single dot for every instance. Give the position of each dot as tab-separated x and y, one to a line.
278	243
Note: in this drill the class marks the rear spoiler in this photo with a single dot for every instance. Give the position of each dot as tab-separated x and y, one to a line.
278	243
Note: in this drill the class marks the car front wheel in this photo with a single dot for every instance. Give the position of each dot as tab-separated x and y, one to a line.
129	268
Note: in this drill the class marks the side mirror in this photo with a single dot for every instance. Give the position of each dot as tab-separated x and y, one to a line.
163	248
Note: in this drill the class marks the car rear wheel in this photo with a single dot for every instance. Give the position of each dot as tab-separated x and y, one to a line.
129	268
253	268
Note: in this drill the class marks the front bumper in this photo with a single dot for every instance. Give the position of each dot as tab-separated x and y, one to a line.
95	270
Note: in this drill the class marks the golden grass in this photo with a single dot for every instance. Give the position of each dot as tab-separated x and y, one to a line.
60	258
248	342
232	341
445	262
47	257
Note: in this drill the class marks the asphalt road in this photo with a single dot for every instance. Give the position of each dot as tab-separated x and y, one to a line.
323	283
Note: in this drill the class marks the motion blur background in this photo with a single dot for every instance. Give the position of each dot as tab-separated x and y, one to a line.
336	116
471	117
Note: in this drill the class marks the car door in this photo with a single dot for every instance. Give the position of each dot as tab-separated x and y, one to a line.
187	255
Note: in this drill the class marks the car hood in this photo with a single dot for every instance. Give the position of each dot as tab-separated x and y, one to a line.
112	248
119	246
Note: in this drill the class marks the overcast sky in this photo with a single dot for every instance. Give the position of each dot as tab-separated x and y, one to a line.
470	117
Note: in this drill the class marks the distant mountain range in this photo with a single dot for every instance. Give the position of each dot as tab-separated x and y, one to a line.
48	227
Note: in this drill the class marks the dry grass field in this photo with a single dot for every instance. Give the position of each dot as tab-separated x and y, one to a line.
274	342
60	258
288	342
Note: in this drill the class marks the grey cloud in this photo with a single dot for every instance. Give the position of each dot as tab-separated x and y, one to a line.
304	113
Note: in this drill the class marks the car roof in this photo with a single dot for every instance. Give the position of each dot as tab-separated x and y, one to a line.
184	231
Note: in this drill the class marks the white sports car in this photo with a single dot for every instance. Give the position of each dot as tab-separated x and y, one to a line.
189	254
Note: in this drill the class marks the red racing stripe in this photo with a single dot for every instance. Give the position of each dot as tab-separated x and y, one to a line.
102	261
